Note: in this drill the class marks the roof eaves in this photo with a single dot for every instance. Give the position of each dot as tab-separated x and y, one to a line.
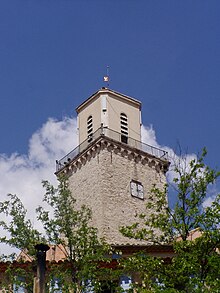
107	90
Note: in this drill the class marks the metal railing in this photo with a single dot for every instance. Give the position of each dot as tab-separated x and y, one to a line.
102	131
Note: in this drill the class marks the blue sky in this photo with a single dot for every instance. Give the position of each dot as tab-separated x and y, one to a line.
54	53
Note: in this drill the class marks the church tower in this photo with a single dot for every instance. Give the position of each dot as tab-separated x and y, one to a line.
111	170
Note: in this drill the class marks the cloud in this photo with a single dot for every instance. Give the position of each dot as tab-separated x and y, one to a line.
149	137
22	174
213	191
182	161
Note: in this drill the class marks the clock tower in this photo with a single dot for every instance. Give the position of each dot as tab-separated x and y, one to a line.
111	170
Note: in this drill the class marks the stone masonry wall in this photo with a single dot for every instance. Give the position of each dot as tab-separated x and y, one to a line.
103	184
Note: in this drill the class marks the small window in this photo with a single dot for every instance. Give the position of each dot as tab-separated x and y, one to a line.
89	129
137	189
124	128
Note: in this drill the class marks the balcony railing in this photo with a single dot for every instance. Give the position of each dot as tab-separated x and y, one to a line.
154	151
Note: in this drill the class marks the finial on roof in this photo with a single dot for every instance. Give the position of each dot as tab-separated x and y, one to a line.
106	77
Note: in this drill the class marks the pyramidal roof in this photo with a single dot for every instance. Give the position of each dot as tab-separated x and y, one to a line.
105	90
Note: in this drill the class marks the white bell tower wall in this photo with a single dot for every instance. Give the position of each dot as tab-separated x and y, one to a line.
106	107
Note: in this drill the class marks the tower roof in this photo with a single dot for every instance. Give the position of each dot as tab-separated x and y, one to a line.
105	90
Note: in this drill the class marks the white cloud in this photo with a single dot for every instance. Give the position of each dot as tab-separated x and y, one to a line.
149	137
213	191
183	161
22	174
208	202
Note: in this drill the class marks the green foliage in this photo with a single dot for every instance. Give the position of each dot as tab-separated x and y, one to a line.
65	225
196	265
20	234
19	230
142	268
71	227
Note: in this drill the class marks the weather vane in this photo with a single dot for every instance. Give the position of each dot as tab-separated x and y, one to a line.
106	77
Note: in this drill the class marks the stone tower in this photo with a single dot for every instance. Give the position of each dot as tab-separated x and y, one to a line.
112	171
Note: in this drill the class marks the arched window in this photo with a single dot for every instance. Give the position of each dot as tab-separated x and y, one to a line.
124	127
89	129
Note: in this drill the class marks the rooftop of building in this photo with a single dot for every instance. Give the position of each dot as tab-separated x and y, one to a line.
114	93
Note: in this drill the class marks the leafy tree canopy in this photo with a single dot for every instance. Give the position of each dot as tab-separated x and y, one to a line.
196	265
67	226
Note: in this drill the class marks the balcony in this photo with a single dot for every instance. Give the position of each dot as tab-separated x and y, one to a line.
106	132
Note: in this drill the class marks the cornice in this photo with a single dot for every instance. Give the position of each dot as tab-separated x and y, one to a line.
106	143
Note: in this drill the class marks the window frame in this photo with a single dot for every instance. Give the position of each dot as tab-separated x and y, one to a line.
137	189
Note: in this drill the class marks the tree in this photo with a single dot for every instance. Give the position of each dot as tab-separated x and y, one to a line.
19	234
196	265
71	227
66	226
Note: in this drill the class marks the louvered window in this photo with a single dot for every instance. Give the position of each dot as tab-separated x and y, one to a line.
89	129
124	127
